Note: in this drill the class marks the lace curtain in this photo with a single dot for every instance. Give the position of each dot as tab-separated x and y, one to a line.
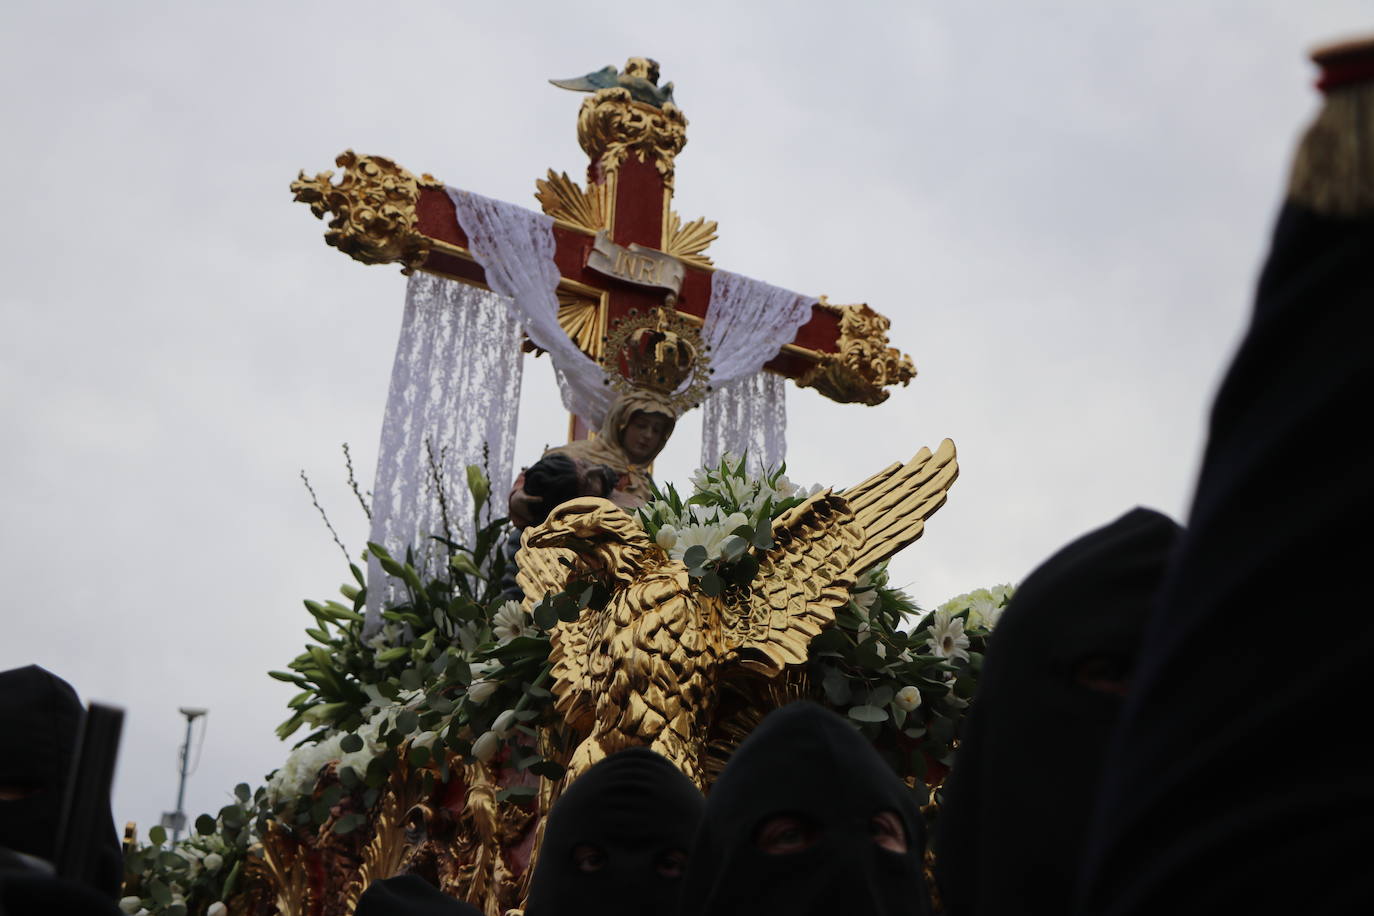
515	247
746	417
747	322
455	388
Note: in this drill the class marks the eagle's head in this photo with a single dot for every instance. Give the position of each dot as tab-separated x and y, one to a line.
602	534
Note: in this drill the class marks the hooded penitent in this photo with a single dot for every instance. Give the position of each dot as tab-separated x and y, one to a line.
1018	803
410	895
1240	781
615	841
805	763
40	716
606	448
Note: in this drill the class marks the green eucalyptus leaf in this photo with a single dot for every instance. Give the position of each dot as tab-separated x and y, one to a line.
157	835
868	713
206	825
351	744
694	557
712	584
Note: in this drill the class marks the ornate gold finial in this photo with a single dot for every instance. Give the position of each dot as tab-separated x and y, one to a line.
373	207
611	125
865	365
658	351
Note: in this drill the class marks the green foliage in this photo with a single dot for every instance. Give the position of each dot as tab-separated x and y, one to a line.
188	876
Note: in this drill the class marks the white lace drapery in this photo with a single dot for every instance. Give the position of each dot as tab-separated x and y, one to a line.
455	389
746	417
747	322
515	247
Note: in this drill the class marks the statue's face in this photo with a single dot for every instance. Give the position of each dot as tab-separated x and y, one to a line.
645	435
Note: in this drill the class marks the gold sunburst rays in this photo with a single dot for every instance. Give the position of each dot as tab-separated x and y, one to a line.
563	198
687	241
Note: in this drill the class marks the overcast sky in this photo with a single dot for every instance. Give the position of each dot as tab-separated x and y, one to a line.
1061	206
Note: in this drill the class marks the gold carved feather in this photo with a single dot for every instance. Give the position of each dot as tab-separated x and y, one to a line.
892	506
801	581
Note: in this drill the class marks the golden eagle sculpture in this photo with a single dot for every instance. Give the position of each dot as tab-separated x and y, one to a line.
646	668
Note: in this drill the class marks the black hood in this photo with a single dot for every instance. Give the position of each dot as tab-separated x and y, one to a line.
40	718
805	762
1017	805
638	813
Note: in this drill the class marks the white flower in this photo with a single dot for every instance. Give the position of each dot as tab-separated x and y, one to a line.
735	520
130	904
947	638
504	723
864	599
784	487
424	739
711	537
666	537
510	621
482	669
479	691
216	909
485	746
212	862
907	699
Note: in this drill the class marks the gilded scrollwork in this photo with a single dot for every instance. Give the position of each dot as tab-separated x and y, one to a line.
864	366
611	125
687	242
372	207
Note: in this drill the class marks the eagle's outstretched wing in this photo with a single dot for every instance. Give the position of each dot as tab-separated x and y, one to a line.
892	506
801	581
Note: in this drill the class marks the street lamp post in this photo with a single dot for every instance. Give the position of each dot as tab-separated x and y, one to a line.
177	819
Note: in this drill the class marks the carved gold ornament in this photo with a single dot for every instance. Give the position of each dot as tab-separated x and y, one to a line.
373	208
687	242
865	365
646	669
611	125
563	198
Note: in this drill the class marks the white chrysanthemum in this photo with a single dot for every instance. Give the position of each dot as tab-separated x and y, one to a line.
711	537
907	699
946	636
510	621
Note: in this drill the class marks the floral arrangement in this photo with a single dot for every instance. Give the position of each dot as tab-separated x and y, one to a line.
456	673
199	873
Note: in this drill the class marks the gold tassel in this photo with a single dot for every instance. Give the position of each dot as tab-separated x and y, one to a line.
1333	172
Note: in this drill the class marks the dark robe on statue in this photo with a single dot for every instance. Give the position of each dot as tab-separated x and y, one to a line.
1240	778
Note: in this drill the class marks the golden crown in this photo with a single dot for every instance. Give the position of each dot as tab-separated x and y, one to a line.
660	352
